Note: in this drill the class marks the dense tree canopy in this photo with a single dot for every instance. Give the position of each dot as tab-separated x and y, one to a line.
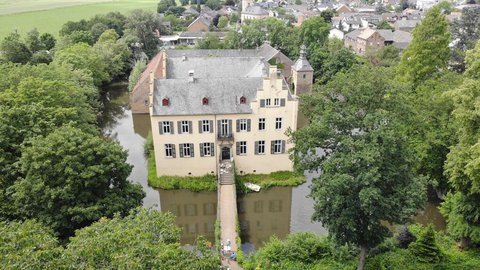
72	179
366	165
428	53
465	34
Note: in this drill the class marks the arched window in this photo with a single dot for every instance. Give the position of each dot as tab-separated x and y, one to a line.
165	102
205	101
243	100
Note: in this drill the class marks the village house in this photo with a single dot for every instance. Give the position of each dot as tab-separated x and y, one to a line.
361	39
211	105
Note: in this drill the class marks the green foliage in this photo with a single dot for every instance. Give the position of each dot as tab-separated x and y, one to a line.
222	22
114	53
387	56
142	25
213	4
145	239
329	59
279	178
466	33
425	249
462	209
327	15
211	41
136	73
366	164
384	25
148	146
193	183
298	251
428	53
73	179
314	32
164	5
13	50
298	2
83	57
405	237
27	245
48	41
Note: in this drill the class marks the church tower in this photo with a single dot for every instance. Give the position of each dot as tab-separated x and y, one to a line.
246	3
302	74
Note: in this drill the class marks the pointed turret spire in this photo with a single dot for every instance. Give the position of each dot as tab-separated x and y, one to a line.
303	52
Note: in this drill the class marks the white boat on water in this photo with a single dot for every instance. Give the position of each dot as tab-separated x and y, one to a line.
253	187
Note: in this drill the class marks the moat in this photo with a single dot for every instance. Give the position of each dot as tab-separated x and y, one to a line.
276	211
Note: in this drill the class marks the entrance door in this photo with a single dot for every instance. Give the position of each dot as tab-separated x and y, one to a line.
225	153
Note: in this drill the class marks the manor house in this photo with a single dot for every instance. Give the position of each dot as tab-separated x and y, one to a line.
212	105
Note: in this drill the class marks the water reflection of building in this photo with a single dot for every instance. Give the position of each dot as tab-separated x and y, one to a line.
141	124
195	211
265	214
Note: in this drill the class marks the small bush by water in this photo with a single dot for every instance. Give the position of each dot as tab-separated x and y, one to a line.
193	183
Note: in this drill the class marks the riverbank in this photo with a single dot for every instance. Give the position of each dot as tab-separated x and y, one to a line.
274	179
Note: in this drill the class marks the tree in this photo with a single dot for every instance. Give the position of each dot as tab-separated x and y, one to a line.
27	245
114	52
13	50
385	57
366	166
143	25
428	52
48	41
222	22
83	57
426	248
72	179
465	34
145	239
33	41
70	26
210	41
385	25
176	11
330	59
163	5
327	15
213	4
314	32
462	206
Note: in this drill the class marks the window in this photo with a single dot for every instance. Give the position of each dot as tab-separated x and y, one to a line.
170	150
206	149
166	127
186	150
165	102
278	147
261	124
268	102
185	127
276	102
304	76
205	126
225	126
242	148
278	123
260	148
205	101
243	125
243	100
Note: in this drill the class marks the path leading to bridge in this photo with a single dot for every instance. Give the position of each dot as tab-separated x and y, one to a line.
227	199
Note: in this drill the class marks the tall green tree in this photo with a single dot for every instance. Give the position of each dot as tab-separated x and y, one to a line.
314	32
142	26
72	178
114	52
82	56
163	5
462	206
428	53
465	34
14	50
356	141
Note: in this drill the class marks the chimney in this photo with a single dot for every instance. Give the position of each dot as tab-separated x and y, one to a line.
191	77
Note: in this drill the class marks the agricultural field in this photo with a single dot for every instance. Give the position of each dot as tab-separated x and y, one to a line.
50	15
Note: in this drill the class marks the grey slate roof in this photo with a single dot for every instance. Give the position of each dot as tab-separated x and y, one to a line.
255	10
186	97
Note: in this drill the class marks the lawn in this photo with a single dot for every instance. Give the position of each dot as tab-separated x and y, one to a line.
280	178
193	183
50	15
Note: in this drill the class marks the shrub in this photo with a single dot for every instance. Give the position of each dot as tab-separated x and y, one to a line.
425	248
405	237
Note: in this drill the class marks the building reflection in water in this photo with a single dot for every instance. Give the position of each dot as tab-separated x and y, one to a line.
141	124
196	212
264	214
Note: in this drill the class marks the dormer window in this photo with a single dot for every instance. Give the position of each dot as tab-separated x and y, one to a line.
243	100
165	102
205	101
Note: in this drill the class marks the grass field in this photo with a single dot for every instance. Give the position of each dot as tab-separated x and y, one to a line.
50	15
